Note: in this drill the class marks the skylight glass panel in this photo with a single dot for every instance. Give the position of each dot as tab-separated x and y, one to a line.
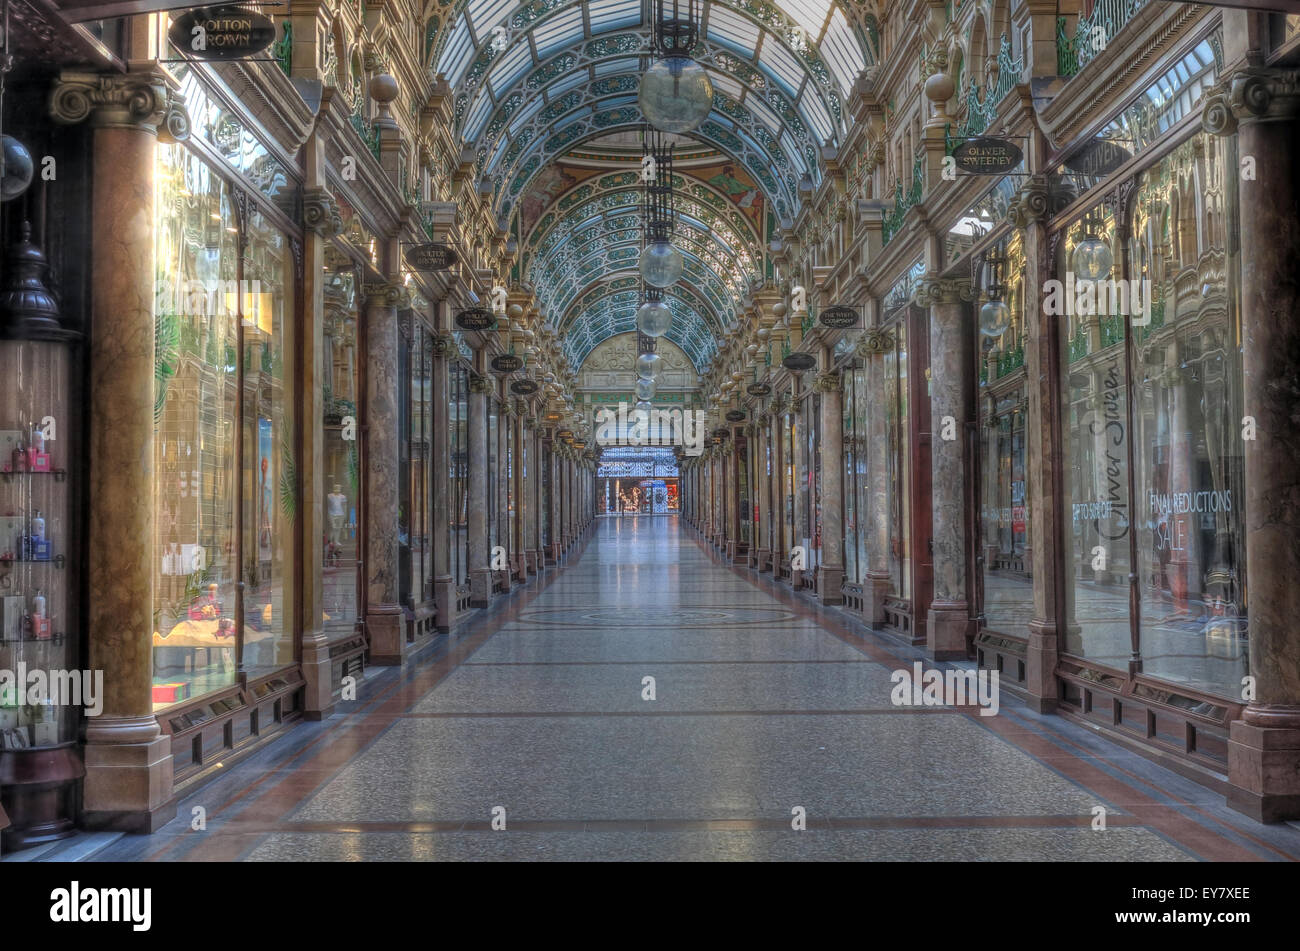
783	64
509	68
613	14
571	81
456	57
624	64
559	31
809	14
765	115
732	30
485	14
840	49
814	112
532	105
726	84
478	115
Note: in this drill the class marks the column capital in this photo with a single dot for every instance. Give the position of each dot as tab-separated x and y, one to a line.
480	384
827	382
443	345
1251	94
933	289
385	294
320	212
1032	204
145	100
875	342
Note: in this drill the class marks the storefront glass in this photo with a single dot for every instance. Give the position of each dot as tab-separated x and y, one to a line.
340	454
1188	449
196	430
458	455
898	464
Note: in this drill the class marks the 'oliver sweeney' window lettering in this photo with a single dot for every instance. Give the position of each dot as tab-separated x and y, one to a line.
1113	455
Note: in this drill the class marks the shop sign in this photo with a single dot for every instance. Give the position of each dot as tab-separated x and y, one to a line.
839	317
523	387
987	156
564	434
221	33
507	363
430	257
476	318
758	389
735	415
1098	158
798	362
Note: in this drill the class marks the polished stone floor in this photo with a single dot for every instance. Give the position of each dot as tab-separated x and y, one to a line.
764	707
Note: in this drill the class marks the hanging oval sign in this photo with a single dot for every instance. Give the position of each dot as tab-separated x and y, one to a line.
839	317
735	415
564	434
798	362
508	363
1098	158
523	387
987	156
430	257
226	32
476	318
758	389
722	433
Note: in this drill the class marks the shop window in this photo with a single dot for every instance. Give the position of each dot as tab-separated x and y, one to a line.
458	453
340	452
1189	503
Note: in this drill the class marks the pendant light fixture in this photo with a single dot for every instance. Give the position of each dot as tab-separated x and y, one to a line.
1092	259
660	264
16	166
995	315
676	93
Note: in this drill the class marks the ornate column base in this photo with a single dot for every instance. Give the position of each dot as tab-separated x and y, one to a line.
533	561
796	578
829	581
387	629
1040	667
758	558
1264	763
128	784
317	669
480	587
948	624
444	595
875	588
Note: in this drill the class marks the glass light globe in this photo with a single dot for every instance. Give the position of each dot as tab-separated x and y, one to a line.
661	264
18	168
645	389
647	366
643	406
995	318
676	94
1092	260
653	318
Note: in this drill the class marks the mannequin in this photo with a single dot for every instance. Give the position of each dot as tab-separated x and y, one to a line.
337	505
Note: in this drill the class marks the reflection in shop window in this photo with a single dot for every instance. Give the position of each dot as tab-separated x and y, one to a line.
340	455
1189	507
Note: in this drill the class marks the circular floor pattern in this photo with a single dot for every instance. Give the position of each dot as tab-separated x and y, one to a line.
649	616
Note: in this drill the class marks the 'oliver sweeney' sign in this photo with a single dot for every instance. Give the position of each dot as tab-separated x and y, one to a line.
226	32
987	156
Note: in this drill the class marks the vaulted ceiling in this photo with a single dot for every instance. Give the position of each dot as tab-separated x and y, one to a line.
545	93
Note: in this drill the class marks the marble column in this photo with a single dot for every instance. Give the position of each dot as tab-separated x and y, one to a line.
799	450
1261	105
128	760
731	508
763	483
830	570
781	544
950	410
556	547
480	553
877	584
384	620
528	492
1030	211
505	530
322	220
444	585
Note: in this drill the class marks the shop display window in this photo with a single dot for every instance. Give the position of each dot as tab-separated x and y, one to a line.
341	452
458	452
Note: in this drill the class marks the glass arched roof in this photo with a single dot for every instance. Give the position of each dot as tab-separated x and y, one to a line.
533	81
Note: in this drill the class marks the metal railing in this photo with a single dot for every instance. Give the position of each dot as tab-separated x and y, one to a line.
1092	34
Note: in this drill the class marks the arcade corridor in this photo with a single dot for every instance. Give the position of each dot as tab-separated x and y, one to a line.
763	703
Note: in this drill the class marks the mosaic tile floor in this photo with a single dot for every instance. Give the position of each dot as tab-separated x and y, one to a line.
765	707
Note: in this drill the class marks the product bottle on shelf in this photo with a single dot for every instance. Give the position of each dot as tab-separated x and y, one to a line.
38	526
